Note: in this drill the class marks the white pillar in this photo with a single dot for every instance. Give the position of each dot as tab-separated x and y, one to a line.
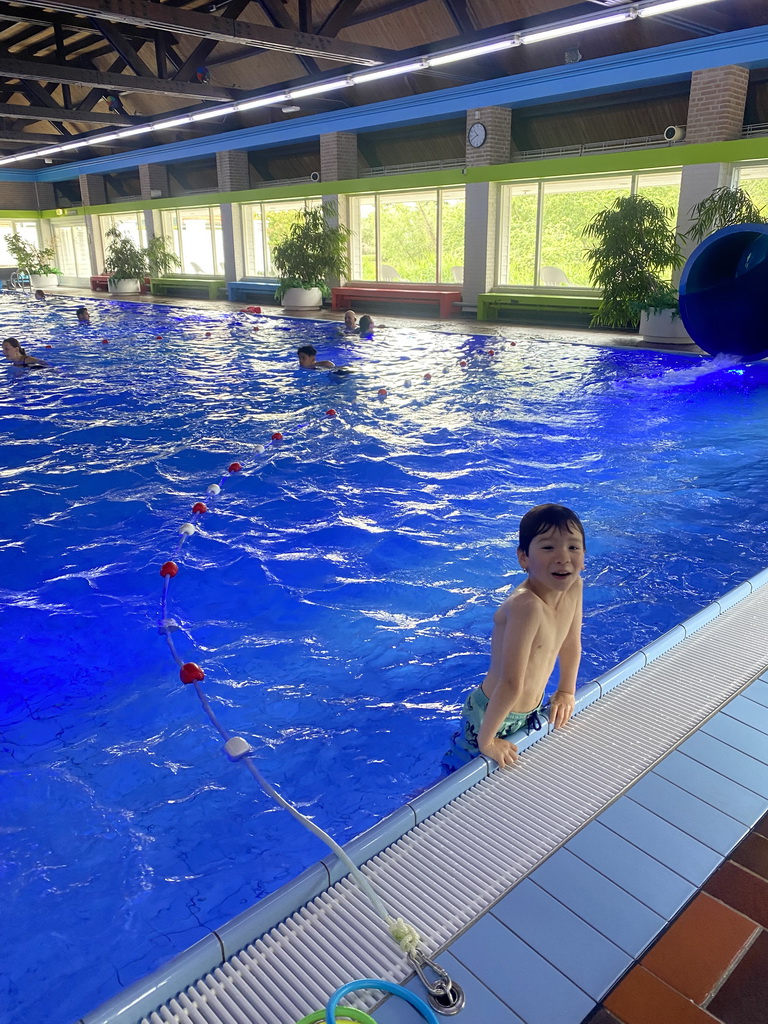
479	239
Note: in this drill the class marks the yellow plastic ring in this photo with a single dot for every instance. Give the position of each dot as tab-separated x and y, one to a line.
344	1013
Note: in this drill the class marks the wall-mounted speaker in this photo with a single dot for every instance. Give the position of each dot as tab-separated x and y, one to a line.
674	133
314	176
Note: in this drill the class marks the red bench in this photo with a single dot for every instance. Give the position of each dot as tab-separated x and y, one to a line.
346	296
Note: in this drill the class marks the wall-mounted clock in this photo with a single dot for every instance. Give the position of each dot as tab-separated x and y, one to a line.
477	135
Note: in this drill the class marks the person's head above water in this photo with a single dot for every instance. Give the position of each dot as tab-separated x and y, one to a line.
307	356
542	519
350	319
12	349
366	324
40	294
83	315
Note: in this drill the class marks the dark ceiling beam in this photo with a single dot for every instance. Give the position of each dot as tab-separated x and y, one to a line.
58	35
203	50
208	26
11	12
461	15
338	17
280	18
122	45
70	116
91	98
11	67
305	15
381	12
35	93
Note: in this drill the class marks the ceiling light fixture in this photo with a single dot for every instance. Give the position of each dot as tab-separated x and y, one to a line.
473	51
375	76
577	26
263	101
668	6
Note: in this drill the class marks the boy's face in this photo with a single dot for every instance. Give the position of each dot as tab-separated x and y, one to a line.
555	558
307	361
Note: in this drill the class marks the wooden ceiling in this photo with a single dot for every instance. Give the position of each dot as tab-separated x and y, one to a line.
75	67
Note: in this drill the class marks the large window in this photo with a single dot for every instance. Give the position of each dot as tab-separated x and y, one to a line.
195	237
754	180
71	244
541	240
408	236
129	224
28	231
265	224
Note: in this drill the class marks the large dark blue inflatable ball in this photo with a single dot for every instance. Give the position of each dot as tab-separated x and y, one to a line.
724	292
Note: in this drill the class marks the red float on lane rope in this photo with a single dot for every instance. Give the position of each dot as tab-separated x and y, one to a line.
277	436
382	392
199	507
169	569
331	412
234	467
191	673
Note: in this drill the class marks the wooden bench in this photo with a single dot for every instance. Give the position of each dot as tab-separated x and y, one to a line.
540	309
197	286
260	290
346	296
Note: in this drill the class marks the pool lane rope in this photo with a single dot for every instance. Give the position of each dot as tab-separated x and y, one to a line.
238	749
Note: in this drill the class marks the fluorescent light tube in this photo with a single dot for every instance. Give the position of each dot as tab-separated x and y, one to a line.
263	101
575	27
668	6
213	112
374	76
475	51
314	90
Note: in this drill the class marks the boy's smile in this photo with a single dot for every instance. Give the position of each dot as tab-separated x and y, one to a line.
555	558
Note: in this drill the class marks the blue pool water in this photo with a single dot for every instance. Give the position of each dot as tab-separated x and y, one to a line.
339	593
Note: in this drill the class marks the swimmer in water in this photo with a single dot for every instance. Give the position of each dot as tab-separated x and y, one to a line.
40	295
366	325
350	321
83	315
308	359
13	351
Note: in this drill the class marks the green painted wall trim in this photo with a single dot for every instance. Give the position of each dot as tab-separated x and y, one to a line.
675	156
70	211
20	215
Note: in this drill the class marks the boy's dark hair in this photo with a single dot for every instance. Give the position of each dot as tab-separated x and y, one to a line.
544	517
81	309
307	350
365	323
12	341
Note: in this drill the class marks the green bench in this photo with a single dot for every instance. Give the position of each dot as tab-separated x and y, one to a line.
541	309
196	286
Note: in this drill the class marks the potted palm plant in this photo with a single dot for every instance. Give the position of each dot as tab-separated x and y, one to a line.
721	209
160	259
634	250
315	248
37	263
125	262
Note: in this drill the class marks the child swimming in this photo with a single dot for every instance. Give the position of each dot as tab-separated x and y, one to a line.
13	351
539	623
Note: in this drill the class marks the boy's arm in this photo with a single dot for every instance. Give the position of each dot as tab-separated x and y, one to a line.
562	702
521	623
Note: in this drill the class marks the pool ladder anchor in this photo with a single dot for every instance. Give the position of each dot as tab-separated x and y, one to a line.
444	995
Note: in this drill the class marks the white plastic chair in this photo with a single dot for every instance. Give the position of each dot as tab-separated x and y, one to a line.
389	273
553	276
457	273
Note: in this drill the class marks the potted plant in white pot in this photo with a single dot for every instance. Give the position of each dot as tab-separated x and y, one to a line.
160	259
315	249
634	249
38	264
125	263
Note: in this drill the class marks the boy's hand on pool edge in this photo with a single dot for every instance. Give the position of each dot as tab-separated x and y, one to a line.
561	708
502	751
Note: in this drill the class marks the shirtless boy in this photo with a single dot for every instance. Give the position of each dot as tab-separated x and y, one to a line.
308	359
537	624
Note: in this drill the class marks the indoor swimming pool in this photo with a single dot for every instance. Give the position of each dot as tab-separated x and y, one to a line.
338	592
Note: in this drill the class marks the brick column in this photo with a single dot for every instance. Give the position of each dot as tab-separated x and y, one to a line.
338	156
93	190
716	104
479	239
496	148
153	179
233	170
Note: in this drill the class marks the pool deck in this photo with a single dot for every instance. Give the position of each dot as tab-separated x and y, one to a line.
602	834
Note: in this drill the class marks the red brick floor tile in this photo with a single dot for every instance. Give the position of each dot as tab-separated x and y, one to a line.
740	889
700	947
743	999
752	853
642	998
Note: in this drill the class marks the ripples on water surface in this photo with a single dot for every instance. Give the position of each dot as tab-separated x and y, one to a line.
339	597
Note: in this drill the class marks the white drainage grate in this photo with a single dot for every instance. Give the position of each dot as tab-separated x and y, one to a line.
431	875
